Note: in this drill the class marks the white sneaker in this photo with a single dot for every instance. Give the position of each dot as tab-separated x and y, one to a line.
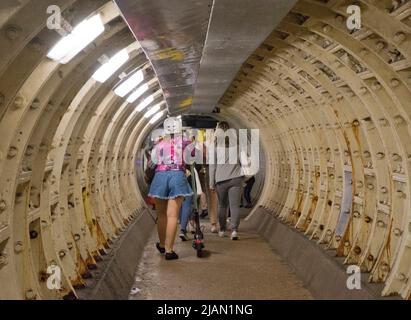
214	229
221	234
234	235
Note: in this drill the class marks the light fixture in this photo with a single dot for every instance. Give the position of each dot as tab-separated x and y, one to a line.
138	93
81	36
145	103
108	69
157	117
153	110
128	85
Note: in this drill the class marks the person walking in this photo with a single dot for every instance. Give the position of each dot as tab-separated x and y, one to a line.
227	178
247	191
169	186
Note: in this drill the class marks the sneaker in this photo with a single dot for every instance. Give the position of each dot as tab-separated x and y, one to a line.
214	229
234	235
171	255
183	235
221	234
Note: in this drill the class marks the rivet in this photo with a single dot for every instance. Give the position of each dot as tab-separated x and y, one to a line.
394	83
18	102
18	246
326	28
338	238
397	232
385	267
399	37
384	190
383	122
363	90
370	186
356	123
12	152
3	259
339	18
346	244
36	44
35	104
396	157
367	154
29	151
381	223
367	219
3	205
380	155
380	45
399	120
356	214
401	277
12	32
30	295
70	245
401	194
62	253
370	257
357	250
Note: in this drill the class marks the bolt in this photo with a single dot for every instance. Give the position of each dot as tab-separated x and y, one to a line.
381	224
399	37
12	152
13	32
30	294
18	246
35	104
397	232
3	205
18	102
3	259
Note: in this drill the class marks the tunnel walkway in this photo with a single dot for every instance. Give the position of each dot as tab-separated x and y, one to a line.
235	270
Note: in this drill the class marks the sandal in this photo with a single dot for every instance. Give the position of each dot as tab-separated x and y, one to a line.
160	249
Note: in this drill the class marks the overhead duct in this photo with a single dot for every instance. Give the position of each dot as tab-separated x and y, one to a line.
172	34
237	28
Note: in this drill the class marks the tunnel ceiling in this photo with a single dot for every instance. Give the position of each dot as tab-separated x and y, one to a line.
332	106
197	47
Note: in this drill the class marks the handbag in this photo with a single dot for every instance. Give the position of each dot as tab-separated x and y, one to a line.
150	172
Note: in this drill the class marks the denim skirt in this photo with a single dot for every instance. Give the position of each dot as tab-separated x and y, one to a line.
170	185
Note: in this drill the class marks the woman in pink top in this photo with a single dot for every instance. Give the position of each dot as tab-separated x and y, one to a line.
169	186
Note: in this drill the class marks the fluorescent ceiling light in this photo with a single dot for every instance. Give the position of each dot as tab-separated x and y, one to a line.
108	69
81	36
145	103
152	111
157	117
138	93
128	85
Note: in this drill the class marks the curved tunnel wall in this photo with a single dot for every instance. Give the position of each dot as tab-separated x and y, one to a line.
333	109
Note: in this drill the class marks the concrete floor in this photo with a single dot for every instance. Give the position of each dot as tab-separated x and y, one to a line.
232	270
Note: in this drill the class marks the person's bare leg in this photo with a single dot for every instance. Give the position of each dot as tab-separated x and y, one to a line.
161	209
173	211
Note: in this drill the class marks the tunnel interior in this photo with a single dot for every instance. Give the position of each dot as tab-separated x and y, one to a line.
332	105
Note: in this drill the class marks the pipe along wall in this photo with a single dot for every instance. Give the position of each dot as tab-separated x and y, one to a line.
333	107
